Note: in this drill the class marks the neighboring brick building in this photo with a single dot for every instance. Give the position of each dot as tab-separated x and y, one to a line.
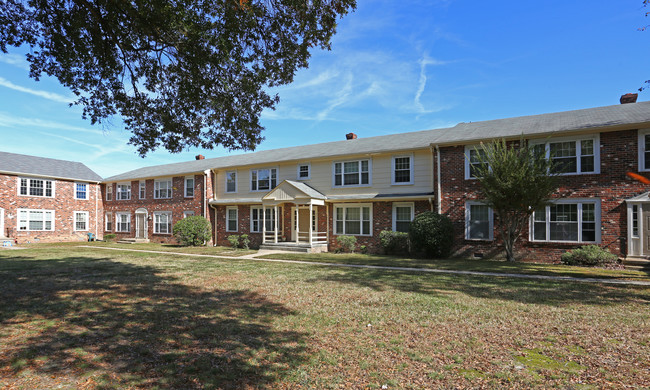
43	199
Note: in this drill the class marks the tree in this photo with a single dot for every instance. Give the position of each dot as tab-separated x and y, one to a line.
515	180
185	73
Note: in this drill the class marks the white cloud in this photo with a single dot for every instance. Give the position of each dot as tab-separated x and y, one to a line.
44	94
15	60
422	83
8	120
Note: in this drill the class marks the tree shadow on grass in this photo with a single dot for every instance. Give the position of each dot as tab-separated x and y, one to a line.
138	328
529	291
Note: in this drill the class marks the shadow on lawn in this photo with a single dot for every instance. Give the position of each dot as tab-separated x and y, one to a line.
142	328
513	289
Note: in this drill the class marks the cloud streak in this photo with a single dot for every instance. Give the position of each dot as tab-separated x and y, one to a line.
55	97
422	82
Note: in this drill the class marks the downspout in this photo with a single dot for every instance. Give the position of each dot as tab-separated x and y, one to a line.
96	207
438	181
205	193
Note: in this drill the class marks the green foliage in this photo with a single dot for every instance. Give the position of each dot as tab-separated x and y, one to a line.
515	181
109	237
363	249
244	241
589	255
233	240
193	231
347	243
394	243
186	73
431	234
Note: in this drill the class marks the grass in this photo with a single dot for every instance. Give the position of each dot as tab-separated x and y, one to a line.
153	246
480	265
83	318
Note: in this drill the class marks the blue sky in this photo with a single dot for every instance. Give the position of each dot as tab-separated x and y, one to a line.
395	66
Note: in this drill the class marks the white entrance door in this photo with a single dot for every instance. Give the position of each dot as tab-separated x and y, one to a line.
303	221
140	225
2	222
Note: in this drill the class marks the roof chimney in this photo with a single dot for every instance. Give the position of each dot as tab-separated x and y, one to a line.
200	157
350	136
629	98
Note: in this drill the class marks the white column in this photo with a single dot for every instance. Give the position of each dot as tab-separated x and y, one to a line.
263	224
311	222
297	223
275	223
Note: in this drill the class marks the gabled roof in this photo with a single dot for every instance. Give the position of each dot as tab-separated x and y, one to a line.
291	190
23	164
566	122
642	198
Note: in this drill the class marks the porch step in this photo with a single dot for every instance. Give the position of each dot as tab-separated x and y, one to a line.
638	263
293	247
133	241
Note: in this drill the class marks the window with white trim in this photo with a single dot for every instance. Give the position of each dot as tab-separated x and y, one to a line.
474	159
231	219
122	222
108	222
256	219
34	220
143	189
188	214
567	221
479	221
402	172
162	189
644	150
123	191
81	191
403	214
264	179
353	219
189	186
304	171
351	173
36	187
231	181
162	222
572	155
635	220
109	192
80	221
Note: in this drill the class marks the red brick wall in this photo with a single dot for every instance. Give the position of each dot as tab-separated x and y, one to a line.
618	155
64	205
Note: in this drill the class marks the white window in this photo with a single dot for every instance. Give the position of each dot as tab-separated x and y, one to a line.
263	179
402	172
35	220
109	192
80	221
572	155
256	219
231	181
474	157
402	216
479	221
162	222
162	189
36	187
188	214
109	222
143	189
80	190
351	173
123	191
353	219
644	150
122	222
304	171
231	219
189	186
568	220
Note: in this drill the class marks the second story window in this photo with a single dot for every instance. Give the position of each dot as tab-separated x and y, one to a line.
231	181
109	192
263	179
143	189
80	191
402	170
189	187
162	189
123	191
474	158
573	156
352	173
304	172
36	187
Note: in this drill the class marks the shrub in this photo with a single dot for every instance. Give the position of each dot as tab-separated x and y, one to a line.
234	240
394	243
589	255
109	237
244	241
193	231
431	234
347	243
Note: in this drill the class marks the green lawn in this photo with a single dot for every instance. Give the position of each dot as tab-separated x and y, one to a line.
89	318
154	246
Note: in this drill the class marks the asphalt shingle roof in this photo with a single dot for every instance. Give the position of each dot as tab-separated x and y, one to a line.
46	167
463	133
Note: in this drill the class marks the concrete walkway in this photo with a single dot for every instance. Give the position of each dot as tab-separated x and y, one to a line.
254	257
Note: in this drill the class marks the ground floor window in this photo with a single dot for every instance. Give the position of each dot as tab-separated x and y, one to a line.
257	217
402	216
570	221
188	214
479	221
35	220
162	222
231	219
80	220
109	222
122	222
353	219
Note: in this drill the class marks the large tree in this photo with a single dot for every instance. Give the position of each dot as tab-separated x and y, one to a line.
515	180
180	73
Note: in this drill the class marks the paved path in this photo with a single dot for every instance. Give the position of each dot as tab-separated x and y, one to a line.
387	268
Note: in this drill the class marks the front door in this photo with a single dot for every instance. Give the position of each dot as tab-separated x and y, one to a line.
303	221
140	225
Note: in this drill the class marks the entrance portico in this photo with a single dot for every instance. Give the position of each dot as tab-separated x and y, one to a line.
638	225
